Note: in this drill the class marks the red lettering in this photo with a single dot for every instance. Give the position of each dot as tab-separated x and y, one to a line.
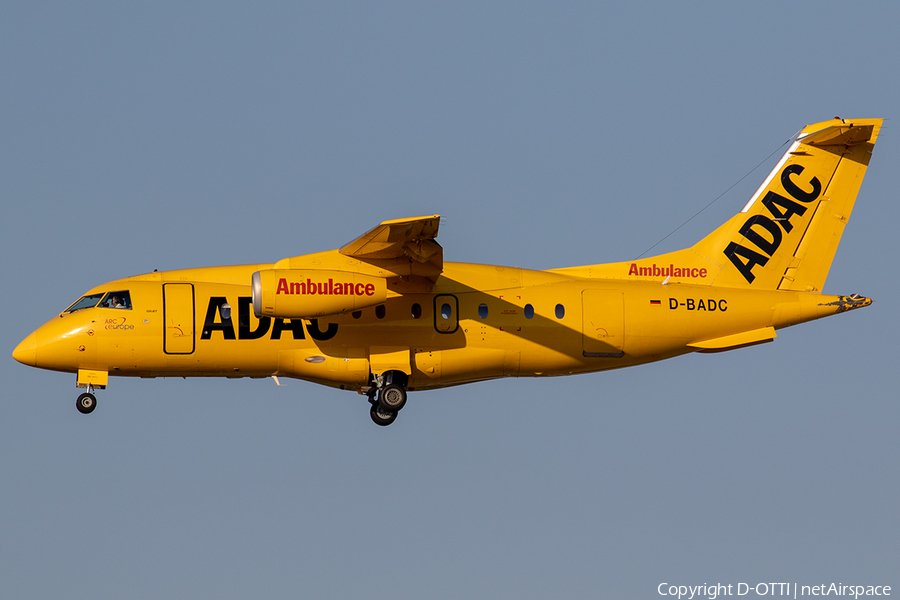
360	289
282	286
370	289
668	271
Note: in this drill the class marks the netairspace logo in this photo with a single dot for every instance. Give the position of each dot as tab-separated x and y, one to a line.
770	589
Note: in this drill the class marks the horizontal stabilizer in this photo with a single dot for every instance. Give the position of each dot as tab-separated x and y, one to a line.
840	135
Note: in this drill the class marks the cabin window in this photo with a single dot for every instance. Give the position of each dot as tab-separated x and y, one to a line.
85	302
560	311
446	313
120	299
483	311
416	311
529	311
356	314
379	311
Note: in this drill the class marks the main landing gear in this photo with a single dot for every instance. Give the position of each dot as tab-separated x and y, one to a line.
87	402
390	389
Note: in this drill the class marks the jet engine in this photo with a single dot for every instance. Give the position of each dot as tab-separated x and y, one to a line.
311	293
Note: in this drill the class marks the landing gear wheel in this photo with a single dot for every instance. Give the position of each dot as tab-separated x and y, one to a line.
392	397
381	416
86	403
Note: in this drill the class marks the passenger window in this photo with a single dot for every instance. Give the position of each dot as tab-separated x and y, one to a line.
560	311
529	311
416	311
356	314
120	299
483	311
446	313
379	311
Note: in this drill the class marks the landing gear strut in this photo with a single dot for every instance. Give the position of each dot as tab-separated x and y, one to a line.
390	388
87	402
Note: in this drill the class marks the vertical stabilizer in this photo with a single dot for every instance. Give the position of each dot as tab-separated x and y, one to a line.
786	235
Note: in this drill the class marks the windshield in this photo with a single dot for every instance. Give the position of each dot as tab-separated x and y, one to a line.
85	302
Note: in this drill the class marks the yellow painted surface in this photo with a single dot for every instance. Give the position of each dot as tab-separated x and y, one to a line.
87	377
445	323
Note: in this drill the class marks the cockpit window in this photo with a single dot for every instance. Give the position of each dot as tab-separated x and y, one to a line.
120	299
85	302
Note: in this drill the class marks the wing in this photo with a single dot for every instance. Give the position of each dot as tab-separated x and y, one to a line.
412	238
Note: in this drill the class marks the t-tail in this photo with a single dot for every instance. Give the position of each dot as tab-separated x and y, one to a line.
786	236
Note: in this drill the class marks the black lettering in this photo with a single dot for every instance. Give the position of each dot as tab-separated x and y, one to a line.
210	325
701	305
723	305
711	305
244	331
314	333
769	247
790	207
733	251
295	326
792	189
673	303
690	304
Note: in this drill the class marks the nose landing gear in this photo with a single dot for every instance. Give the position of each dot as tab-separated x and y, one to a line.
87	402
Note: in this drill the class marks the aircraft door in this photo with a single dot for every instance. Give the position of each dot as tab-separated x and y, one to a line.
178	315
603	323
446	313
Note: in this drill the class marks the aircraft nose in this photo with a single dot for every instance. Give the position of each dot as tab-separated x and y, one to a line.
26	352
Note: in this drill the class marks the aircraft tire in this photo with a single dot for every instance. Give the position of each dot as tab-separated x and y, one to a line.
392	397
86	403
381	416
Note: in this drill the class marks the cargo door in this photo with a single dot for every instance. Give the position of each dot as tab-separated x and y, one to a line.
178	315
603	323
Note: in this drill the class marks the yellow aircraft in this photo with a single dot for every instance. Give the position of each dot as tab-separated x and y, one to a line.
385	314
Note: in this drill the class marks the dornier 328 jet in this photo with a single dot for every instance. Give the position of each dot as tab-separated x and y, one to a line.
385	314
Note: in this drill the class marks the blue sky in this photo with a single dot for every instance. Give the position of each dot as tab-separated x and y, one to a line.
179	134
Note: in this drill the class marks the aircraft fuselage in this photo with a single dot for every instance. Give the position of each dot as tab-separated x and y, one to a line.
501	322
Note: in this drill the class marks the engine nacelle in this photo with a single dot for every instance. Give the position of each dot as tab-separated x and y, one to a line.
310	293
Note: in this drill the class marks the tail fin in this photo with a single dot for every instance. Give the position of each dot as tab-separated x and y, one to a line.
786	236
